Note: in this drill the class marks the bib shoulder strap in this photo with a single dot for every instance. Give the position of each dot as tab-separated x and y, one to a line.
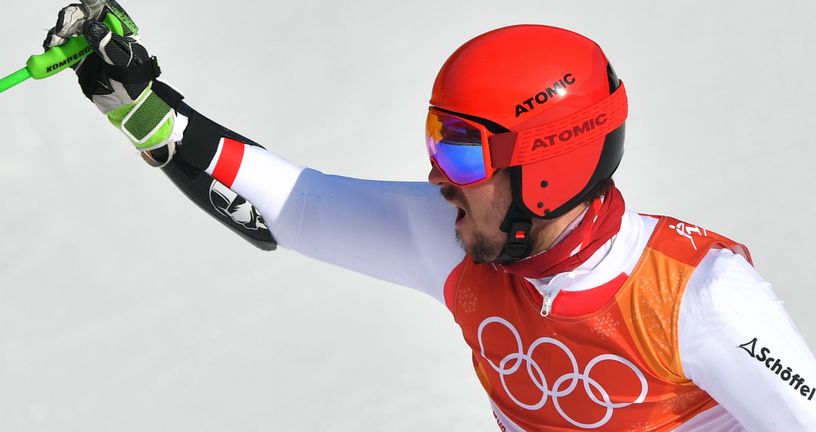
689	243
656	287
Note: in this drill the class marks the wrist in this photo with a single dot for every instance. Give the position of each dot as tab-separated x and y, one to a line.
148	122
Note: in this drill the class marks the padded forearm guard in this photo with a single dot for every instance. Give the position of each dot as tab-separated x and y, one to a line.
187	168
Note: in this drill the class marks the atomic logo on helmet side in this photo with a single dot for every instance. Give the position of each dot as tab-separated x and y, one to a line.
559	88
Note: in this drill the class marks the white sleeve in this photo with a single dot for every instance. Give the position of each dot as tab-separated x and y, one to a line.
738	344
401	232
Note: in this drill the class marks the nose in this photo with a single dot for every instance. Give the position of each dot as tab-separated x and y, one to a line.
435	176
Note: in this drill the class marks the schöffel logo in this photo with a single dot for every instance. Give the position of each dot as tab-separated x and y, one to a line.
69	60
570	133
775	365
558	88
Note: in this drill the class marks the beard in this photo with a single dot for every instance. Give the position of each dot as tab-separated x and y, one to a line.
482	249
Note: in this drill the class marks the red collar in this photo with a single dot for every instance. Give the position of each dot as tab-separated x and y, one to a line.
601	221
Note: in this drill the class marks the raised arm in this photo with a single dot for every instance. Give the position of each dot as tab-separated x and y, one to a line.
401	232
396	231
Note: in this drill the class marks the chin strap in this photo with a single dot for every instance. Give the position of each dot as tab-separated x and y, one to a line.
517	224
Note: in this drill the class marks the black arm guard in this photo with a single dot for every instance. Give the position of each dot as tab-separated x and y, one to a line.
186	171
220	202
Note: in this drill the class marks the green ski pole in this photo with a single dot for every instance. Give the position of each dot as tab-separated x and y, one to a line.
58	58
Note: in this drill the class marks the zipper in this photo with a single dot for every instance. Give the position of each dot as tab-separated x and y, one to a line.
546	306
551	290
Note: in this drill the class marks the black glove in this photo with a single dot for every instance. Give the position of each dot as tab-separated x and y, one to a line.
119	77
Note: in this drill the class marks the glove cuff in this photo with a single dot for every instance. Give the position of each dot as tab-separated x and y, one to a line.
152	120
147	122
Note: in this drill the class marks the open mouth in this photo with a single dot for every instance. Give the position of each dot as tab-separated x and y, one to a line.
454	199
460	214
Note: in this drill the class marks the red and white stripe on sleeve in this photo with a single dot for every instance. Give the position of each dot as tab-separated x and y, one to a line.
227	161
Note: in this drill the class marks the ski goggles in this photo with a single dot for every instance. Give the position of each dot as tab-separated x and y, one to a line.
467	153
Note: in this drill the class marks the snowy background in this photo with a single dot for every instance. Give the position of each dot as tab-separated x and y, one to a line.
123	307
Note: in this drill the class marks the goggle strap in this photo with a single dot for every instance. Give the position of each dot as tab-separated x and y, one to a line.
559	137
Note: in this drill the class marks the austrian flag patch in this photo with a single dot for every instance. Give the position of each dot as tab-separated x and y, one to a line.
228	160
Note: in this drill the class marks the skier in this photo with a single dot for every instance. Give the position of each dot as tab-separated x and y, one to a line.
581	314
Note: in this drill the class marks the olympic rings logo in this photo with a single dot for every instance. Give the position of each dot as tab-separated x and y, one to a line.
565	384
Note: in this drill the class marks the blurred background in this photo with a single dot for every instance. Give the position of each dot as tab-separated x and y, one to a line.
123	307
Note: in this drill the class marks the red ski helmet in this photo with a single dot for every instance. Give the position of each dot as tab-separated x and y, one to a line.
547	104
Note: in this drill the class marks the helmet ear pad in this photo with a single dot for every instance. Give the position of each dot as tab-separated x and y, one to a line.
552	187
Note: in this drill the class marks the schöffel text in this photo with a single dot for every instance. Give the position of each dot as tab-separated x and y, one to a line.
778	367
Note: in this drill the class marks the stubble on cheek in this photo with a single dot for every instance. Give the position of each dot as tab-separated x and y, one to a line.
484	240
481	248
487	240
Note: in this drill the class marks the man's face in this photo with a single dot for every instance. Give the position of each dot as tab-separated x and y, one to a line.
482	208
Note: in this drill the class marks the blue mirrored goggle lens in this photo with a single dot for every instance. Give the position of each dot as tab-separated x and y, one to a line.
456	147
462	164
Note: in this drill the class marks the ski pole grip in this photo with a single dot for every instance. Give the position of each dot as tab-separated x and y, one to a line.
59	58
